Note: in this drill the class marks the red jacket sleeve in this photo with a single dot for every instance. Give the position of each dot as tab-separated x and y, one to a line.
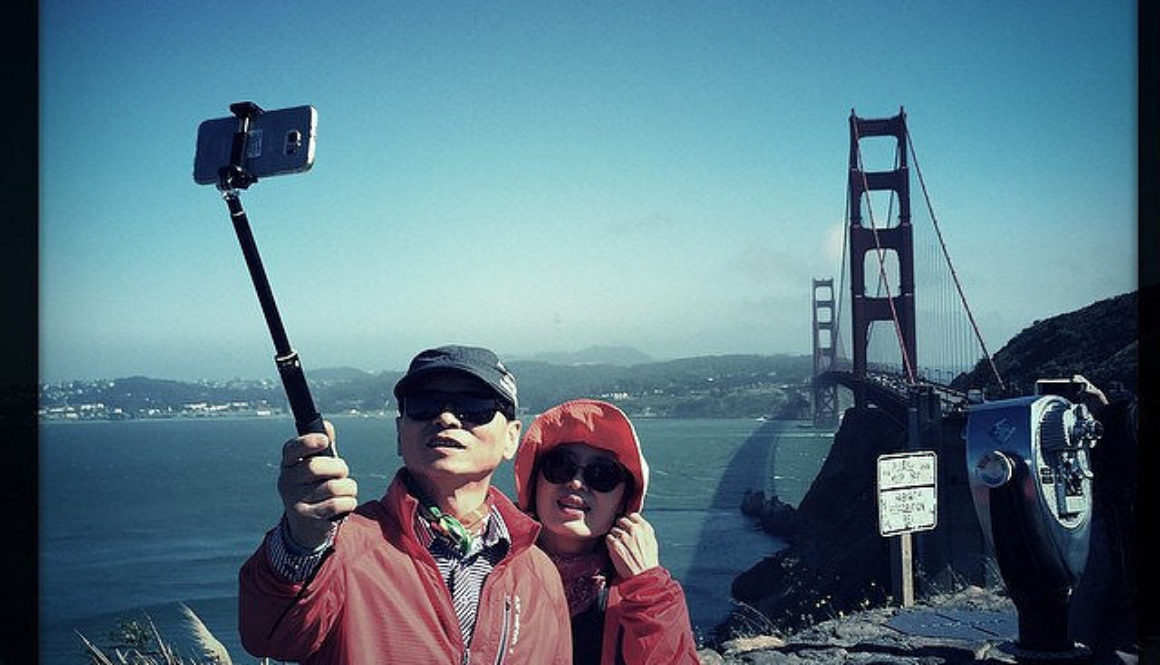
274	621
652	622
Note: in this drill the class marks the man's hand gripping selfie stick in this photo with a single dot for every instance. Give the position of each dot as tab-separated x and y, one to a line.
230	179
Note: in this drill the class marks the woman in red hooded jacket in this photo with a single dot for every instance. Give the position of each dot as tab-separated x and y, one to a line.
581	473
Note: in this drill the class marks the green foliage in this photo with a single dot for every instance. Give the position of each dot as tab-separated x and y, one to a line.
1098	341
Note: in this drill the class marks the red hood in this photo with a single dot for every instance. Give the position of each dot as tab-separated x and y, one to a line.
588	421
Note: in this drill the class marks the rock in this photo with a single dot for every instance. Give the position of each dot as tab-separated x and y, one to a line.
780	519
752	503
972	598
869	637
775	516
709	657
741	645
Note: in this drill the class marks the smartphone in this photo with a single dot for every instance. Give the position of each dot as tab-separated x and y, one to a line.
278	142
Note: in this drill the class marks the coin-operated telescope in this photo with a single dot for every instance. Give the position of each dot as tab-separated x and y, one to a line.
1031	482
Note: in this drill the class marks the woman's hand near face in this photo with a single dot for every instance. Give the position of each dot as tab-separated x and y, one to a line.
632	545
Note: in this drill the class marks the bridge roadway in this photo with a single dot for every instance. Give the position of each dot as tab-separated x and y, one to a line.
890	392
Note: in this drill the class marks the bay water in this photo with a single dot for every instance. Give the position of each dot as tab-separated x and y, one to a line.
136	517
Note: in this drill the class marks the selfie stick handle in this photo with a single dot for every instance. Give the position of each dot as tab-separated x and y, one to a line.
307	420
306	416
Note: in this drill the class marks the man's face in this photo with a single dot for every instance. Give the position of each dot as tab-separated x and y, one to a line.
448	450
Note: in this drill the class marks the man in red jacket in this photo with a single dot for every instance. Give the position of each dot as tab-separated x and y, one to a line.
442	569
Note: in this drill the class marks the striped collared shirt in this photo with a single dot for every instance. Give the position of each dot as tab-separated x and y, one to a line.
463	576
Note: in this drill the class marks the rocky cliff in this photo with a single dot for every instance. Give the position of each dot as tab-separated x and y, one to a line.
838	564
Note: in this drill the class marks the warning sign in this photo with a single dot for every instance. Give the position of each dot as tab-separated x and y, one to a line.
907	492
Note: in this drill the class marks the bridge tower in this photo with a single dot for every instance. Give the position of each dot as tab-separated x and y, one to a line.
825	338
875	241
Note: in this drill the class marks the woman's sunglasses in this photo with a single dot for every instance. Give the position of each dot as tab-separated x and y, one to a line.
601	474
474	409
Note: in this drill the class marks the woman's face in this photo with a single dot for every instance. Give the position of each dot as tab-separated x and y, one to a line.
574	514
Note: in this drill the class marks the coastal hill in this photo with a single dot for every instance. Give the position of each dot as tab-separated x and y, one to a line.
593	355
726	386
1098	341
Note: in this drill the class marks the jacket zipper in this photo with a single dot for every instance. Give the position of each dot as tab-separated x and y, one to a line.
505	627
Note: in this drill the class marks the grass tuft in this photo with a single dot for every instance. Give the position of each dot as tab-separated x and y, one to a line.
140	643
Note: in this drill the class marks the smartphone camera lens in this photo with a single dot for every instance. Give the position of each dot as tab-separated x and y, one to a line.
293	142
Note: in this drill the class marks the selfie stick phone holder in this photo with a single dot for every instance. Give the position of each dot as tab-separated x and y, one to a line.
232	178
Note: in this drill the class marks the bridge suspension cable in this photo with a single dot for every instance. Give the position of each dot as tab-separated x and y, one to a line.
838	350
950	264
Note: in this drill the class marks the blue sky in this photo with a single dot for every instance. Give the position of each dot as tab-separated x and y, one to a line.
550	176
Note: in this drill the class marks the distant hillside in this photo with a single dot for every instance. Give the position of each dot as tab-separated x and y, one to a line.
731	386
340	374
703	387
1098	341
595	355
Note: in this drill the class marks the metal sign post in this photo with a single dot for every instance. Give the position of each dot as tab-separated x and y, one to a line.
907	502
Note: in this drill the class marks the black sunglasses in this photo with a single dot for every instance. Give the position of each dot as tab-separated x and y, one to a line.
601	474
475	409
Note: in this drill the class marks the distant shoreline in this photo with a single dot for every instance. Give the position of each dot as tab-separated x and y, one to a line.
380	415
230	417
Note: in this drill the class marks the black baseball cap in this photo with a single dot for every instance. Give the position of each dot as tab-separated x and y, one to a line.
474	361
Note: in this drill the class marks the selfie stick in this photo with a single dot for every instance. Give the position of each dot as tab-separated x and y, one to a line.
230	179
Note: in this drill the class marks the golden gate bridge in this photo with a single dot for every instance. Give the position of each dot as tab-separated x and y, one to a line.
898	307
